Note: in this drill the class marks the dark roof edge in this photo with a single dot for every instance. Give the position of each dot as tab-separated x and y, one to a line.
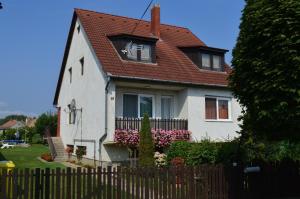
170	82
65	57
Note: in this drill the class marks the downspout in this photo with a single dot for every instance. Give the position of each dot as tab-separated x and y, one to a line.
103	137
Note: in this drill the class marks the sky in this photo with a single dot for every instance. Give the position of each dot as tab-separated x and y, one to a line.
33	36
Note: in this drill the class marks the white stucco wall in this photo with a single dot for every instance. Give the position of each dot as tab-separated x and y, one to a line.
88	90
216	130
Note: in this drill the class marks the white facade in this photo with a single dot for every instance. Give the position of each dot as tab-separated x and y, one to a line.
97	109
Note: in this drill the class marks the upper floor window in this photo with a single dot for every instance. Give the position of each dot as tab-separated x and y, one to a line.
216	62
205	60
138	52
217	108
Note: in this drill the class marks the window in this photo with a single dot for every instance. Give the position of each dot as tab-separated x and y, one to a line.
217	108
166	107
70	75
78	29
130	106
146	105
216	62
82	148
206	60
82	65
138	52
136	105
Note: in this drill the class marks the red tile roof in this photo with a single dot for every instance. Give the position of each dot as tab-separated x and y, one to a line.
8	124
172	64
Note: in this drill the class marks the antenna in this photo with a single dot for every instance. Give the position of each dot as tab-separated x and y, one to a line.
142	16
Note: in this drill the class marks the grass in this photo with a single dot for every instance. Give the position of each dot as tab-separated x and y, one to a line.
27	157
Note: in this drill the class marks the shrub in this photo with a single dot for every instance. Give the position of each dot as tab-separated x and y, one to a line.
204	152
146	146
178	149
80	151
47	157
37	139
228	152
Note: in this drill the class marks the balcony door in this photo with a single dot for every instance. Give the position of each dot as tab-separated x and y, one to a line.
166	107
135	106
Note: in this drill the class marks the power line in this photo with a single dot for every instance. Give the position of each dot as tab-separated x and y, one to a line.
142	17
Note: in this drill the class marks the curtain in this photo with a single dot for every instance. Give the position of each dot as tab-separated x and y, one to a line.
223	109
210	108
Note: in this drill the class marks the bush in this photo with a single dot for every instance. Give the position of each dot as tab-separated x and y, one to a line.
47	157
80	151
37	139
178	149
204	152
146	146
228	152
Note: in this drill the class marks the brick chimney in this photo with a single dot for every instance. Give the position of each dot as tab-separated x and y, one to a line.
155	20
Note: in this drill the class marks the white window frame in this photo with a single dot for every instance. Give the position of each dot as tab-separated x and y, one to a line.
172	105
139	100
228	99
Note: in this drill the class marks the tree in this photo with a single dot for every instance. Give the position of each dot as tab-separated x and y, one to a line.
13	117
146	146
46	120
266	61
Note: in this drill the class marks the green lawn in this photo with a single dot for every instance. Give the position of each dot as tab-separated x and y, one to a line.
27	157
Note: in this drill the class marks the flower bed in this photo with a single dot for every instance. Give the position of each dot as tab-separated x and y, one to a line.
47	157
161	138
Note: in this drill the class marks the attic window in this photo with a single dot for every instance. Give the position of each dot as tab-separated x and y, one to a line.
138	52
78	29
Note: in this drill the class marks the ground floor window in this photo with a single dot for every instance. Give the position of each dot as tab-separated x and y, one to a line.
137	105
217	108
83	148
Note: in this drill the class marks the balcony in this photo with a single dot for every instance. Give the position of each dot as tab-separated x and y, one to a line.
156	124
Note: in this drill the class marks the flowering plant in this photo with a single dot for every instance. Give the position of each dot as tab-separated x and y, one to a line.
177	162
160	159
162	138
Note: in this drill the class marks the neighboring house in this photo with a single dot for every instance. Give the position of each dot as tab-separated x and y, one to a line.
11	124
115	68
30	122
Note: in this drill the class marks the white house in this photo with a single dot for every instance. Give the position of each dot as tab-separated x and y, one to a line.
116	68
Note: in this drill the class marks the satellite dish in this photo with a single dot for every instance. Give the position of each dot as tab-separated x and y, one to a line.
73	105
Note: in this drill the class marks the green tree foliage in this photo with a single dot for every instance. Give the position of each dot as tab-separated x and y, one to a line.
266	73
46	120
146	146
13	117
178	149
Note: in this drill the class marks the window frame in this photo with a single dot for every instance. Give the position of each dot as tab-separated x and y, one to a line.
229	101
211	61
139	100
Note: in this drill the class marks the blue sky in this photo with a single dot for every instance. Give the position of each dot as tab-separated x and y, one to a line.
33	35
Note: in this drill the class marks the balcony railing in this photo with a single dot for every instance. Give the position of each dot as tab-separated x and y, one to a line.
165	124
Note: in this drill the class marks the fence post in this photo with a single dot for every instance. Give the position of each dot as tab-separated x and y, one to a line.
37	183
69	182
47	183
78	183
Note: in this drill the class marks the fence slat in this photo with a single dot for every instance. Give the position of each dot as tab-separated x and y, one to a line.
47	183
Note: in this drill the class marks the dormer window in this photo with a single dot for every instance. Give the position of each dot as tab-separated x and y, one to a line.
138	52
206	57
135	48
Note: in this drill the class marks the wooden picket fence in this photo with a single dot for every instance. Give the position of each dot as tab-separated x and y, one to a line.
204	182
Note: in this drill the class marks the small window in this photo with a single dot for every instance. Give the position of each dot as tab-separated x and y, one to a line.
70	75
82	148
206	60
78	29
82	65
217	108
216	62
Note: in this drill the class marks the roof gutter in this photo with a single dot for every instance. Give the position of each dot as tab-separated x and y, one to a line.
192	84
